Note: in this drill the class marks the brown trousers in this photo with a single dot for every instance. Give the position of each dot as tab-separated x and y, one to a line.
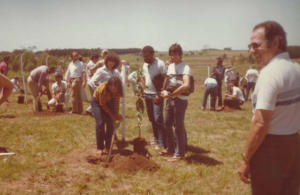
275	167
76	99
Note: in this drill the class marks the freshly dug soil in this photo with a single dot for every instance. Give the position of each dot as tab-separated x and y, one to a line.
3	150
125	163
132	163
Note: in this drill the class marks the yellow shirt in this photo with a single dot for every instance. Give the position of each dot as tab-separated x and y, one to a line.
103	96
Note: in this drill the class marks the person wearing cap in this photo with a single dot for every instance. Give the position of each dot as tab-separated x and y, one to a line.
219	69
270	161
59	89
37	79
251	76
76	78
229	76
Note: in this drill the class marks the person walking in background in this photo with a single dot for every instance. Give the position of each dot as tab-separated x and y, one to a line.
6	86
271	158
37	79
219	69
76	77
154	72
211	89
251	76
177	102
108	95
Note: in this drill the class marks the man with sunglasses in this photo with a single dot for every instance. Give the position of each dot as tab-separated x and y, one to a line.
271	158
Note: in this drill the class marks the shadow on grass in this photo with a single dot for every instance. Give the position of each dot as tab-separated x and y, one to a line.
197	157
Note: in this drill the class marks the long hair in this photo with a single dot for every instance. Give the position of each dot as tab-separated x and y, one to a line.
117	83
113	57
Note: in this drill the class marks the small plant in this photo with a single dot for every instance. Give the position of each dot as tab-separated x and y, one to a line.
139	102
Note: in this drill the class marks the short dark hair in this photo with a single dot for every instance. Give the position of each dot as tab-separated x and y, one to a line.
94	56
115	81
272	31
147	49
175	48
111	56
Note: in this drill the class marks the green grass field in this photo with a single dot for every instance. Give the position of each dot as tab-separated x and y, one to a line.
51	149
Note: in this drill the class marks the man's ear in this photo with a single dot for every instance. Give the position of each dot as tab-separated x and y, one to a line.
276	42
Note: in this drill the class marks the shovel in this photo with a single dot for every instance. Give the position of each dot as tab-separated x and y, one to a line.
116	125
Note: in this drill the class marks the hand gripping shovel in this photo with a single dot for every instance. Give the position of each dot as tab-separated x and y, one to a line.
116	125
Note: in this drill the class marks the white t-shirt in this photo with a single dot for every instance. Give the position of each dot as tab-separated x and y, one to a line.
59	88
75	69
210	82
90	64
102	75
181	68
252	75
157	67
278	89
229	75
237	91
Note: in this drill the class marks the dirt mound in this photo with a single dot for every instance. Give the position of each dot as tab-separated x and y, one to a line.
132	163
125	163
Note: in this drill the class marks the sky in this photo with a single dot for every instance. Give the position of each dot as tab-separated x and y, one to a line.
195	24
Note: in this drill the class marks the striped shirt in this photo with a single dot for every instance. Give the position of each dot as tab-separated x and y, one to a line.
278	89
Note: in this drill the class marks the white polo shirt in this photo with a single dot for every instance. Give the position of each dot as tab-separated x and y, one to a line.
75	69
252	75
59	88
157	67
102	75
181	68
278	89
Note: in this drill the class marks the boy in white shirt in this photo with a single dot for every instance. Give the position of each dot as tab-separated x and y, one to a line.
59	89
235	98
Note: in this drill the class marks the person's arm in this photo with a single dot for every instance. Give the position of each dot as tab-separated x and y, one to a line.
183	87
258	130
7	88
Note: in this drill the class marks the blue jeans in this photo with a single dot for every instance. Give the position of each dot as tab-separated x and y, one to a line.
212	91
175	112
155	115
250	86
219	95
102	119
98	122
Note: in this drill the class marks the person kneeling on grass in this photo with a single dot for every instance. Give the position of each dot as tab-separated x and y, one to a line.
234	99
59	89
211	88
108	97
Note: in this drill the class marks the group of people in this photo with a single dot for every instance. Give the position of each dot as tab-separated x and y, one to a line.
271	158
237	89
